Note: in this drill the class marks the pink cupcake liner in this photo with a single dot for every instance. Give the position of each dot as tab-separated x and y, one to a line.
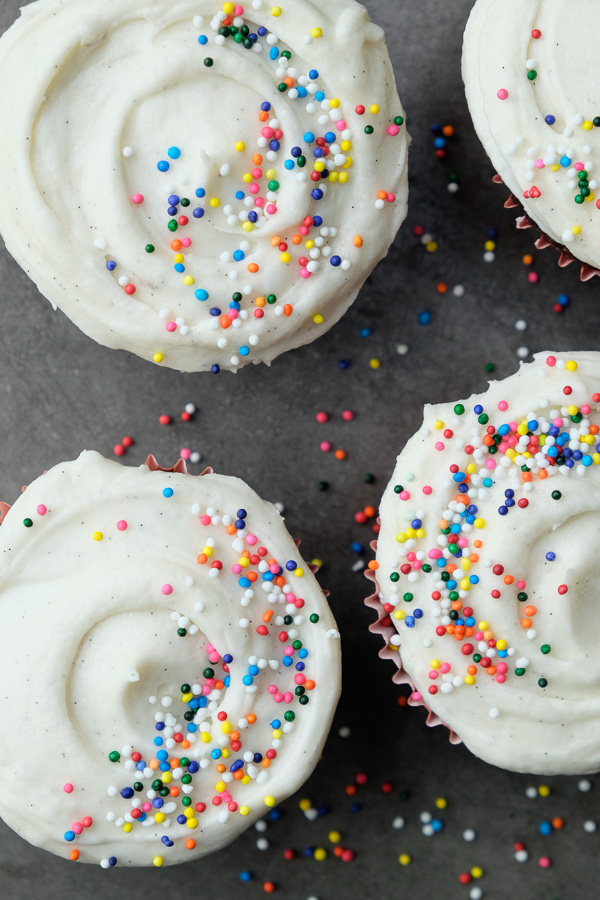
544	241
383	626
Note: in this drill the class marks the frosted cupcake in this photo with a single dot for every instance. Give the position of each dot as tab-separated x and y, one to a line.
535	106
204	185
169	654
485	566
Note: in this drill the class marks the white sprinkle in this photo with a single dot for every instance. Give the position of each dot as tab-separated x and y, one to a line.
401	349
520	324
469	835
398	823
585	785
127	152
494	713
589	826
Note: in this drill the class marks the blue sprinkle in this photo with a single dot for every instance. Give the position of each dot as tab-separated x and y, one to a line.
246	876
215	369
336	261
174	152
239	195
203	39
309	137
425	318
320	96
274	52
200	193
550	556
409	621
317	194
502	510
69	835
202	294
550	120
313	74
239	255
168	492
198	212
111	265
565	162
163	166
112	860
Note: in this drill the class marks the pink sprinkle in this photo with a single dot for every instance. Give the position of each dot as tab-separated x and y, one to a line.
502	668
427	490
578	166
272	688
521	585
435	554
146	807
533	277
42	509
391	198
278	698
322	417
185	453
299	678
342	125
205	520
122	525
304	230
137	199
585	409
540	164
167	589
68	788
348	415
267	132
502	94
490	464
325	446
254	189
271	209
439	445
503	406
236	569
433	674
304	273
214	657
544	862
171	326
550	361
478	635
77	827
416	696
257	173
393	130
260	202
288	697
445	668
289	651
87	821
251	539
404	495
238	11
500	678
187	242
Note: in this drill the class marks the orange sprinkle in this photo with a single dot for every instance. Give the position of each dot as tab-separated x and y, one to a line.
469	631
542	474
238	775
253	268
527	476
441	287
154	764
296	239
231	529
190	844
558	822
234	736
488	635
221	768
369	511
202	558
225	321
275	241
257	159
357	240
260	301
309	685
351	790
452	567
373	565
263	116
530	610
219	685
265	763
289	81
491	670
472	670
508	579
251	576
74	855
450	629
526	623
443	523
287	309
594	429
267	616
477	544
174	792
174	763
457	604
340	454
176	245
280	581
448	130
251	718
382	195
185	745
473	557
527	259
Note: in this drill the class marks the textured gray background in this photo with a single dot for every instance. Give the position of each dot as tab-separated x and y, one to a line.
61	393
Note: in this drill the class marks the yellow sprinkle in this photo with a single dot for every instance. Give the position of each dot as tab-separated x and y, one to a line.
435	663
225	753
319	166
571	365
576	229
285	257
245	780
469	679
501	644
166	777
334	176
438	425
271	174
401	538
276	11
317	562
374	109
334	103
316	32
185	698
269	801
404	859
240	146
305	804
410	533
431	247
400	614
248	226
159	817
277	733
205	737
441	803
220	786
188	812
189	280
345	146
335	837
479	523
192	823
375	363
228	8
343	176
247	177
244	810
97	535
490	245
298	573
320	854
544	790
157	861
226	727
349	163
471	469
179	258
421	533
476	871
127	827
588	125
483	626
208	551
158	357
214	202
555	167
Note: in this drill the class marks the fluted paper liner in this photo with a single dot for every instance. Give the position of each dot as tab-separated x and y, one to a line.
544	241
384	627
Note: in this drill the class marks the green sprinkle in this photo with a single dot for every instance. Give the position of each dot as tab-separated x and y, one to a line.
314	618
543	682
483	419
27	523
289	716
489	367
519	671
303	700
150	248
369	129
556	495
322	485
185	688
459	409
394	576
208	62
182	632
270	299
399	120
545	648
115	756
408	597
532	74
522	596
398	488
208	673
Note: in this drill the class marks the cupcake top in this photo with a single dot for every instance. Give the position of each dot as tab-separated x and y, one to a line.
486	565
531	83
170	657
203	184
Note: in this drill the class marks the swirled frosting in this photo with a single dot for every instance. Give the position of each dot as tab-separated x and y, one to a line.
531	85
203	185
172	660
486	565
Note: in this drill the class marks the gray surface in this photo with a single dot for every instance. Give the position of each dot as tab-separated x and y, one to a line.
62	393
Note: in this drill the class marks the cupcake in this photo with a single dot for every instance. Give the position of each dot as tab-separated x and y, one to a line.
486	571
204	190
533	106
170	656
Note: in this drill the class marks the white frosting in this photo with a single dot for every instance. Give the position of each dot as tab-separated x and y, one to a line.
90	634
107	87
499	51
518	724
